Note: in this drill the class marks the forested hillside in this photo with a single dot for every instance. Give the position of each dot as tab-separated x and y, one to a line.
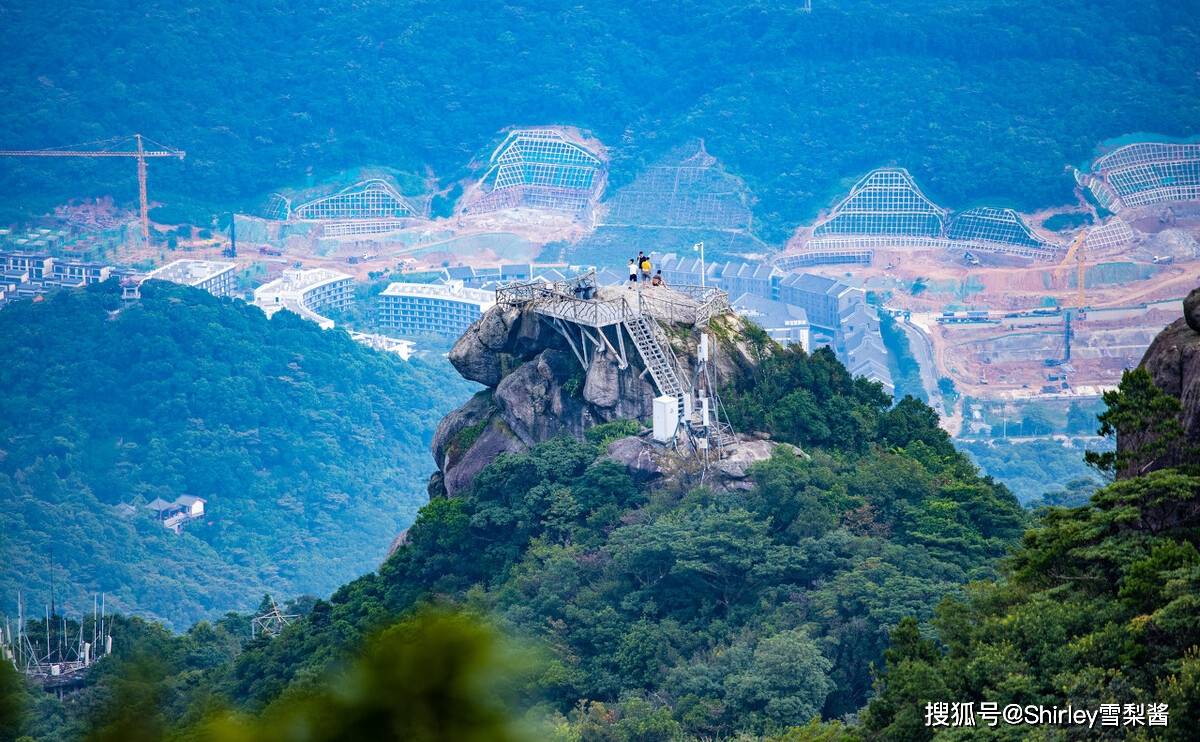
311	450
979	98
646	612
1097	606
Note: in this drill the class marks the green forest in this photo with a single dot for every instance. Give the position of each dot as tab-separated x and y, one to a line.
980	99
1034	468
864	574
311	450
634	611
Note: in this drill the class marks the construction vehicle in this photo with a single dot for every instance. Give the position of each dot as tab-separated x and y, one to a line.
139	152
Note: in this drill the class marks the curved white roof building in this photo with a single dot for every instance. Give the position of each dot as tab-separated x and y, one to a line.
305	292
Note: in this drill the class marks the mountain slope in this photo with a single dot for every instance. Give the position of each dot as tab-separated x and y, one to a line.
1099	603
310	449
745	603
979	98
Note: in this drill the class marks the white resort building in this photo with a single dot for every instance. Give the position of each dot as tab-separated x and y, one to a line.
306	292
432	308
214	276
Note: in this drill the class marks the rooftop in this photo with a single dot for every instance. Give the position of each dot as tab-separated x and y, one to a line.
814	284
769	313
402	348
288	292
449	290
299	281
189	272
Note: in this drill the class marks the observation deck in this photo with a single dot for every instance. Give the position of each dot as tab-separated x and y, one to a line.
597	319
580	301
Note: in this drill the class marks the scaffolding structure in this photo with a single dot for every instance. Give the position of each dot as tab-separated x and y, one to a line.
1145	173
356	227
596	321
368	199
278	208
57	654
886	210
886	201
1112	237
539	168
270	622
693	191
827	252
1002	227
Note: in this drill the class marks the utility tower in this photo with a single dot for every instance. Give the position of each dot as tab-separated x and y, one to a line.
270	621
120	147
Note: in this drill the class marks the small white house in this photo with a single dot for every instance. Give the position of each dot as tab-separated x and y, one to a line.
192	506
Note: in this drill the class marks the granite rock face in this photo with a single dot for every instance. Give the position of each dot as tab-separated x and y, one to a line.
1191	310
536	387
1173	361
646	462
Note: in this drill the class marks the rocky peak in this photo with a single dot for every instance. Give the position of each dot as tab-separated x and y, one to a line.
536	387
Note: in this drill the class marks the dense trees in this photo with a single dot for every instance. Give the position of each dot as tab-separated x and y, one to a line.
1097	606
656	612
979	100
664	612
295	436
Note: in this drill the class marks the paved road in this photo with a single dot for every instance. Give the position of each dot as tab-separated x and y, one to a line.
922	349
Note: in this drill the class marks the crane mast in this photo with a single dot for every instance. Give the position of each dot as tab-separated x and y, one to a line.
1076	252
139	152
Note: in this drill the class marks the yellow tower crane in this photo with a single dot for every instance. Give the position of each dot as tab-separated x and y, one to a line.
109	148
1078	253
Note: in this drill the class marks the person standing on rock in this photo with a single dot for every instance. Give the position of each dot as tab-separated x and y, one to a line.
645	266
633	273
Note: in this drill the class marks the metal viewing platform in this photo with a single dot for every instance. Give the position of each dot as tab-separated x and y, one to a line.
581	301
582	312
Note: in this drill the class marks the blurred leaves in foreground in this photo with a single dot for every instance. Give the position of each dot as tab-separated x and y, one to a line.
435	676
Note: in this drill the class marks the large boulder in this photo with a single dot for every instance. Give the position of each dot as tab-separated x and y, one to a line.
477	410
537	401
480	354
1191	310
493	440
1173	361
537	388
647	461
617	393
641	458
740	456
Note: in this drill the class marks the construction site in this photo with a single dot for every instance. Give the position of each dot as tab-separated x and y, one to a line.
1006	308
1005	305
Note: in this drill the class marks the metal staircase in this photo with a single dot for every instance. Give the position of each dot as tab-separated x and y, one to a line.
661	363
661	367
